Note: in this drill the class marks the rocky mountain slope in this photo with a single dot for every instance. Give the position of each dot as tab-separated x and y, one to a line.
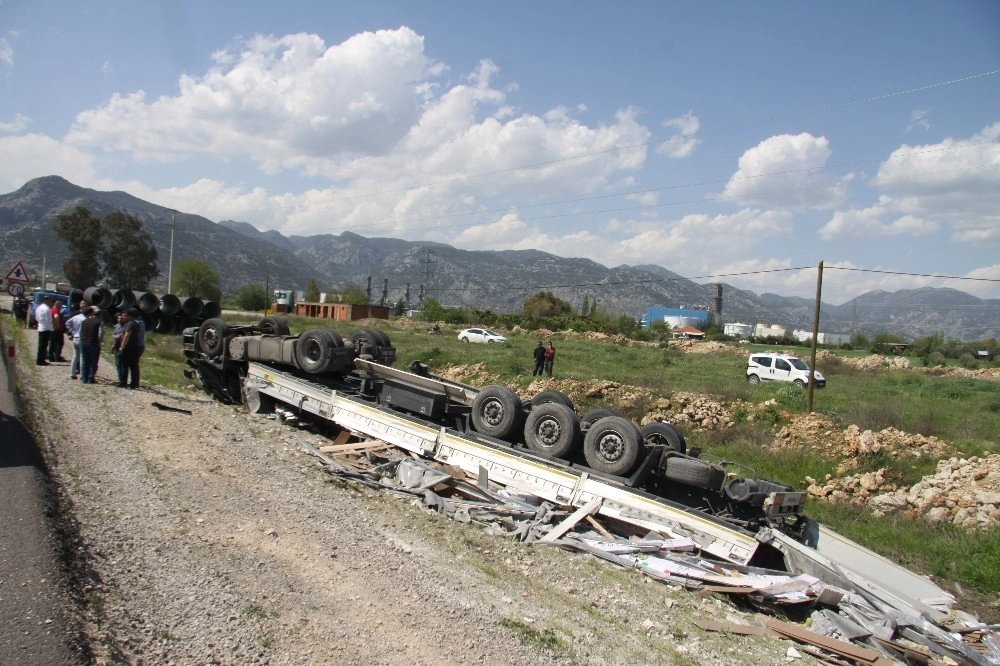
488	280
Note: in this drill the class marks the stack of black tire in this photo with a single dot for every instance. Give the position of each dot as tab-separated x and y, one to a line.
167	314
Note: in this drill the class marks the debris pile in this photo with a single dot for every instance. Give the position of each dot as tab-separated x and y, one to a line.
817	432
853	489
853	620
693	410
963	491
705	347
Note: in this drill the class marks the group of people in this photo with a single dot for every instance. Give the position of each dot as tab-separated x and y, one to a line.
544	356
85	327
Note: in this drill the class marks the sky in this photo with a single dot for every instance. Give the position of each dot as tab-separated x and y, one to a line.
737	142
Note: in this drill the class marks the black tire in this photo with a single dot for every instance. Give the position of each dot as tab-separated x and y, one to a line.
334	337
799	383
496	412
663	434
465	338
694	472
544	397
212	337
753	379
596	415
553	429
366	337
613	445
384	340
313	351
274	326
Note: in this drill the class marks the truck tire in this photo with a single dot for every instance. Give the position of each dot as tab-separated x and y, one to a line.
694	472
552	396
274	326
384	340
753	379
595	415
334	337
613	445
212	337
496	412
553	429
366	337
658	433
313	351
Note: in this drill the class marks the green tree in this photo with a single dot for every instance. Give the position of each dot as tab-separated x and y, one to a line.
545	304
354	295
398	307
196	277
128	254
251	297
312	292
82	232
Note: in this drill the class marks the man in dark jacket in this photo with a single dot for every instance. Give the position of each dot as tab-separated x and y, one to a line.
539	359
91	335
129	351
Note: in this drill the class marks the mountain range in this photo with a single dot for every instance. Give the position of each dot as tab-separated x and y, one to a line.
497	280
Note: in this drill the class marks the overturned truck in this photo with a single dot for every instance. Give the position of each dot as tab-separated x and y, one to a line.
599	463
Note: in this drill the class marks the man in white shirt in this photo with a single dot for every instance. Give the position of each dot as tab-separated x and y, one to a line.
43	315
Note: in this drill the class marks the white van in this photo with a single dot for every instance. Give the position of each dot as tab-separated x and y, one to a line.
781	368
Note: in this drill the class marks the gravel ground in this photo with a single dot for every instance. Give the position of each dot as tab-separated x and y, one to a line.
212	538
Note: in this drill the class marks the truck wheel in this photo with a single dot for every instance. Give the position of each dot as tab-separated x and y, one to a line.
365	337
212	337
753	379
694	472
496	412
334	337
612	445
314	351
274	326
596	415
544	397
553	429
663	434
383	338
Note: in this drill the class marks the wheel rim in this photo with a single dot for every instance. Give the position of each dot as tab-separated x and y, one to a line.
493	412
211	336
611	447
312	351
548	432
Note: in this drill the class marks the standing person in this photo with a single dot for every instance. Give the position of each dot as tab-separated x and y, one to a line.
539	359
142	329
91	336
21	310
58	338
550	357
43	315
116	334
73	331
128	353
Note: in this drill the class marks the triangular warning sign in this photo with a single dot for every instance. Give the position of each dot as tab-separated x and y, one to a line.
17	274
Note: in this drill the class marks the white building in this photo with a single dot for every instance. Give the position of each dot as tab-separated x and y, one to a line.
737	330
769	330
822	338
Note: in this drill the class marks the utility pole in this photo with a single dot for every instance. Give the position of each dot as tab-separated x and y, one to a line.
812	354
267	299
170	264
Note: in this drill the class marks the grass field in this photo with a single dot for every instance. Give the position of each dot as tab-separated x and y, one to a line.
964	413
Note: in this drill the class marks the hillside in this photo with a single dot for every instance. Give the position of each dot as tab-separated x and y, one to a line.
482	279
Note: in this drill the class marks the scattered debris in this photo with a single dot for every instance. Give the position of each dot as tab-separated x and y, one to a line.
168	408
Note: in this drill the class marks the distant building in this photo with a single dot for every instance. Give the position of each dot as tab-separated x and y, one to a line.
688	333
341	311
769	331
675	317
832	339
737	330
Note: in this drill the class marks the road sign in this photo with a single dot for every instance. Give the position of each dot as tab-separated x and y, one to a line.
15	289
18	274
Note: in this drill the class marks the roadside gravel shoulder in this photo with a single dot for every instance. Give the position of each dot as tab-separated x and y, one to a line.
213	538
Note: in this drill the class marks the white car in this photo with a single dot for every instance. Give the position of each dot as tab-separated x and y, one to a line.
480	335
781	368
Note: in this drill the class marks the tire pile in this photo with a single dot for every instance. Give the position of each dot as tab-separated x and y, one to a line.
168	314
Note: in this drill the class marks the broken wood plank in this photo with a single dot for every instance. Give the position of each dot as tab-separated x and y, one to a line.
600	528
839	647
572	520
733	628
356	447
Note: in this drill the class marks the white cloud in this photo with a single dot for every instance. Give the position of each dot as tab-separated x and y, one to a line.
876	221
918	121
685	141
16	125
107	70
786	172
6	52
39	155
955	182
